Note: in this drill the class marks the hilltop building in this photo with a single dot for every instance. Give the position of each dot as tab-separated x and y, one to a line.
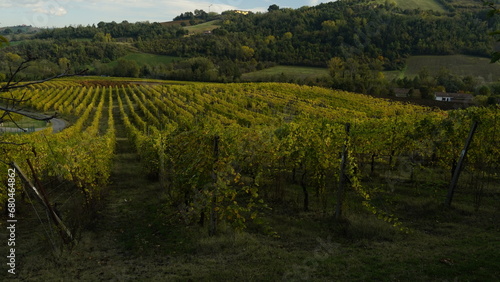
453	97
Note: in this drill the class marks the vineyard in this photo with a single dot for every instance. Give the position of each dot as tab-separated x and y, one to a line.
231	155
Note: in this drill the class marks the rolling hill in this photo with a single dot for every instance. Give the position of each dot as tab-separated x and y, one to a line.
417	4
436	5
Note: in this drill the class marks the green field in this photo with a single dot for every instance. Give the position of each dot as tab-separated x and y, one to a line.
289	72
147	59
26	123
200	28
458	64
417	4
463	65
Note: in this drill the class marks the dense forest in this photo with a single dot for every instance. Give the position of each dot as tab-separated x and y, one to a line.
362	35
311	36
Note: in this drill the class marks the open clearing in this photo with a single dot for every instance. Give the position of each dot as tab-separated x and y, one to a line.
458	64
418	4
203	27
463	65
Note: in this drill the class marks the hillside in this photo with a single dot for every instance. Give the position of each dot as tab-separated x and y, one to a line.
434	5
9	30
366	39
459	64
206	27
161	159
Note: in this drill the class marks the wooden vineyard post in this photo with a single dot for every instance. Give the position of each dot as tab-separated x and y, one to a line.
458	169
213	211
342	177
40	193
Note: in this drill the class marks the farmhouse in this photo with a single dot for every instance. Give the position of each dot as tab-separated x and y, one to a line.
453	97
241	12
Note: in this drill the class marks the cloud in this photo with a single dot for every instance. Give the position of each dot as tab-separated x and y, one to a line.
53	11
156	10
167	6
48	7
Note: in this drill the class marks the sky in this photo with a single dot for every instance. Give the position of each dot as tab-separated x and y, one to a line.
60	13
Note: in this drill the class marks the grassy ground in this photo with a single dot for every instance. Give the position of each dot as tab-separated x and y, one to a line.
27	123
458	64
145	58
418	4
286	71
200	28
133	240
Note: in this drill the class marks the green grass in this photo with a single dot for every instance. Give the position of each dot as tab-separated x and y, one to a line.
145	58
287	71
459	64
26	122
135	239
200	28
417	4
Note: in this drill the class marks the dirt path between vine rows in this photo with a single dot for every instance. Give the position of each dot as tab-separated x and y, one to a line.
120	245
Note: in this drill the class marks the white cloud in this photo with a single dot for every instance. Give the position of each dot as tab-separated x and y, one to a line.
154	10
48	7
163	6
53	11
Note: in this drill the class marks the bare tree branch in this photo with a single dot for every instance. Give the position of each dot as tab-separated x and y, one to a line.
27	114
12	105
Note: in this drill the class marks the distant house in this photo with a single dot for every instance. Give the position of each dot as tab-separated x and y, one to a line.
453	97
241	12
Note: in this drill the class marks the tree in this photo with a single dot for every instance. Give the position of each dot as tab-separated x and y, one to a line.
200	14
484	90
494	11
288	35
11	105
64	63
102	37
247	52
329	26
336	67
127	68
3	41
273	8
